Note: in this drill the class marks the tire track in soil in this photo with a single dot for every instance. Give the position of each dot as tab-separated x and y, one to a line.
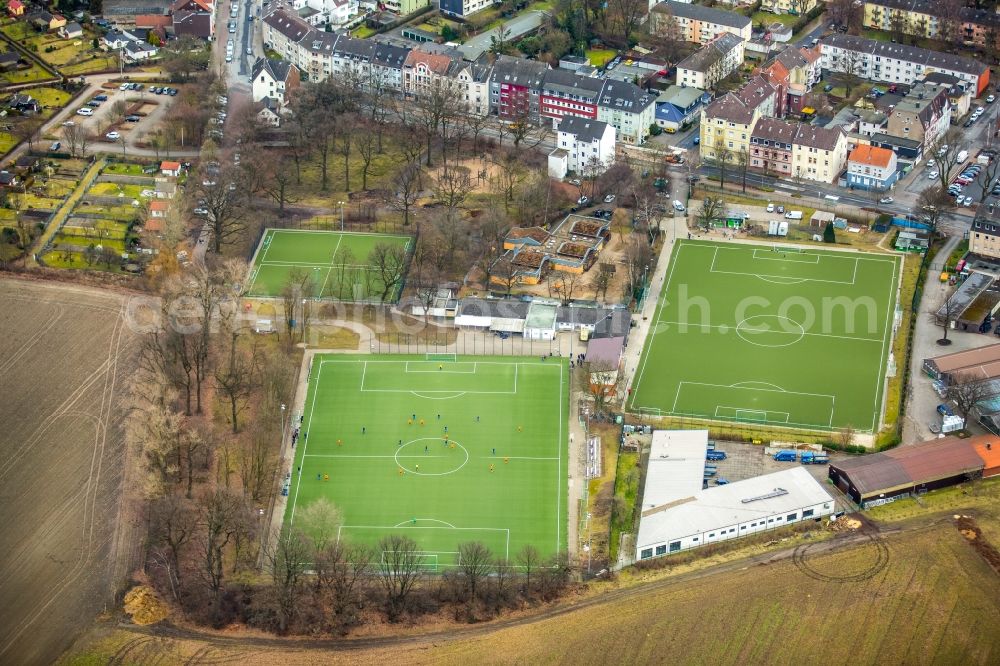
110	366
800	559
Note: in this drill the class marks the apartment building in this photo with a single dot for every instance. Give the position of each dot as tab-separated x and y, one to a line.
923	115
935	20
711	63
698	24
464	8
897	63
984	236
589	144
788	6
797	150
274	79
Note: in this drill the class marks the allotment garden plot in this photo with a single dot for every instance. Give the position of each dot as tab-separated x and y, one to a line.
337	265
770	335
440	449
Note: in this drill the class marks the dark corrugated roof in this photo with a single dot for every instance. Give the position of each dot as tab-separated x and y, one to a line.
874	473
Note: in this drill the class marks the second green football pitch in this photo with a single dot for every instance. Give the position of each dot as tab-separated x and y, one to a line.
770	335
338	263
442	449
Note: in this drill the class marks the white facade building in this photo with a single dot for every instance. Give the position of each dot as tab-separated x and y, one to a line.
678	513
585	141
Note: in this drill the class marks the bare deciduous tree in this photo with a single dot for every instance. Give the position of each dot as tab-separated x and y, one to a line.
398	571
475	563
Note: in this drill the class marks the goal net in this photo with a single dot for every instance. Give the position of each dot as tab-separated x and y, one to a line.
439	357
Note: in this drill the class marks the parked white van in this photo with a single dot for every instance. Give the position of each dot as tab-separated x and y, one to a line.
793	215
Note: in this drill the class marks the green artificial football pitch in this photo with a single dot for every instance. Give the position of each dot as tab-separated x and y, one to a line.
770	335
339	263
442	449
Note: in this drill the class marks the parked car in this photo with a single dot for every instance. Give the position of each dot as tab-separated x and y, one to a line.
678	206
697	140
583	200
123	86
200	211
85	111
990	99
112	135
609	198
932	175
931	163
781	209
172	92
132	119
966	201
828	87
886	200
770	208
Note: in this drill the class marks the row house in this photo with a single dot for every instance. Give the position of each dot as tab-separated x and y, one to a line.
819	153
566	93
697	23
793	73
727	122
473	81
515	88
923	115
959	95
629	109
771	147
275	79
712	62
424	72
872	168
588	146
897	63
797	150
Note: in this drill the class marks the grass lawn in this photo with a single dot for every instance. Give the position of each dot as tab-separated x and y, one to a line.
96	62
129	192
339	262
124	169
363	32
767	18
745	334
34	73
481	461
600	57
50	97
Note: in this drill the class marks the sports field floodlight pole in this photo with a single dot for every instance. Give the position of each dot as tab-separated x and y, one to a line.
341	204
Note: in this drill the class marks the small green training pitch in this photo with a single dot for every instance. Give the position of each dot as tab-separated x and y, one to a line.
770	335
339	265
439	448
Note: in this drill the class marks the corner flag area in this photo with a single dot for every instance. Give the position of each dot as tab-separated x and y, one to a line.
439	448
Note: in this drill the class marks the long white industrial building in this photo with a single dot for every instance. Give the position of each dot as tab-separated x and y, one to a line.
678	513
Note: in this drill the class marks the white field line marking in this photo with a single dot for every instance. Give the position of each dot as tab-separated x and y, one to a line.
364	370
764	390
326	279
347	455
340	233
764	257
763	276
451	391
435	371
357	360
314	264
730	327
559	445
648	343
305	444
517	458
886	336
790	424
336	249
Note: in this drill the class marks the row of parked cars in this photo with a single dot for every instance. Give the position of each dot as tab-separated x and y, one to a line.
969	174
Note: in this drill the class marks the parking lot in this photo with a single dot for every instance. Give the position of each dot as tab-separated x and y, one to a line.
103	115
745	461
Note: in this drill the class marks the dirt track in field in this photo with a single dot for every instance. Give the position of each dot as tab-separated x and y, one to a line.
64	355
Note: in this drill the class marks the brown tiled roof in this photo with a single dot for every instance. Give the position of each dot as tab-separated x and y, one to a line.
818	137
730	107
775	130
937	459
984	360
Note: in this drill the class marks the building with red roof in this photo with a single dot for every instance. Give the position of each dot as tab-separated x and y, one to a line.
872	168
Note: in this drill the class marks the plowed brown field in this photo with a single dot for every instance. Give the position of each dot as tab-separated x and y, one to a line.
64	352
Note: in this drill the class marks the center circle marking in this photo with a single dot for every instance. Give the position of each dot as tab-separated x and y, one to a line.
742	327
437	441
